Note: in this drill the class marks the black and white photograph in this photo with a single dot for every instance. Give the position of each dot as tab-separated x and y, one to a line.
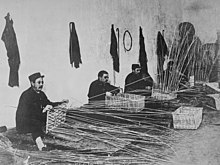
110	82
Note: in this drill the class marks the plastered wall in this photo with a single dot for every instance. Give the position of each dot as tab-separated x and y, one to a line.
204	15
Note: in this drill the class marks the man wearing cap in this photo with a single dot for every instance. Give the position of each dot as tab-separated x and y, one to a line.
137	80
101	87
31	112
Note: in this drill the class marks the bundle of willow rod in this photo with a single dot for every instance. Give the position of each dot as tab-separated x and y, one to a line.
72	157
121	115
123	139
179	60
205	62
182	59
117	133
69	157
131	156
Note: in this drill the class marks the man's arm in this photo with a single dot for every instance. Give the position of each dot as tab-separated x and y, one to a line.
53	104
113	89
129	83
148	81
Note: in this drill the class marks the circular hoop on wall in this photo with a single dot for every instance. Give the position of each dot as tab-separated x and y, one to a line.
127	49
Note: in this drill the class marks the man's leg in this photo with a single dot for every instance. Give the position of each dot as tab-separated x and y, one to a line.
40	144
38	134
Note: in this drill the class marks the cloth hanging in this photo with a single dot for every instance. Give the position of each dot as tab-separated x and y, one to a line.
162	51
9	38
74	49
114	50
142	53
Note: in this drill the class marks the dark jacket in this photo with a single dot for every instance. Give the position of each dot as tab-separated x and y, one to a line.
98	89
29	116
10	40
135	81
74	48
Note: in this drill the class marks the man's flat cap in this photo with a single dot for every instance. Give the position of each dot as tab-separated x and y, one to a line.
35	76
134	66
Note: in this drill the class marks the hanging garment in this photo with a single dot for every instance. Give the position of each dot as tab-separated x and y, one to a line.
114	50
142	53
162	51
9	38
74	49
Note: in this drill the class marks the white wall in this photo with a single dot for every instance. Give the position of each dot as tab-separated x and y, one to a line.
42	32
204	15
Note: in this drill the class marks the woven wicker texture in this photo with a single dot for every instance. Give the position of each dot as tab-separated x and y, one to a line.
130	102
187	117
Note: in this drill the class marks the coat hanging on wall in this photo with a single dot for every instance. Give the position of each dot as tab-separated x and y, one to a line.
74	49
142	53
162	51
114	50
9	38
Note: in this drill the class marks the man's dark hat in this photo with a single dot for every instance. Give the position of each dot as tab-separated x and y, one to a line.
134	66
35	76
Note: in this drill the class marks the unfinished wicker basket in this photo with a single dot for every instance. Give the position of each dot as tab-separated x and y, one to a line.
55	117
161	95
130	102
187	117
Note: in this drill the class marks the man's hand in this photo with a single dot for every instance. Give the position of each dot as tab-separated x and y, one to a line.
65	101
120	90
148	87
108	94
47	108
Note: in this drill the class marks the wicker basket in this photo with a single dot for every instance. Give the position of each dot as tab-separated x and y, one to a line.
55	117
130	102
161	95
187	117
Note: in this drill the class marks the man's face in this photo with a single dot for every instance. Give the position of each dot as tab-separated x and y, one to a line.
38	84
137	70
104	78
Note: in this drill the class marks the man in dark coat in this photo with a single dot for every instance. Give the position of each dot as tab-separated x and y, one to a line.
31	112
137	80
101	87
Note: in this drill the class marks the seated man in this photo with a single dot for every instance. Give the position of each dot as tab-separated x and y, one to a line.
31	112
101	87
137	80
